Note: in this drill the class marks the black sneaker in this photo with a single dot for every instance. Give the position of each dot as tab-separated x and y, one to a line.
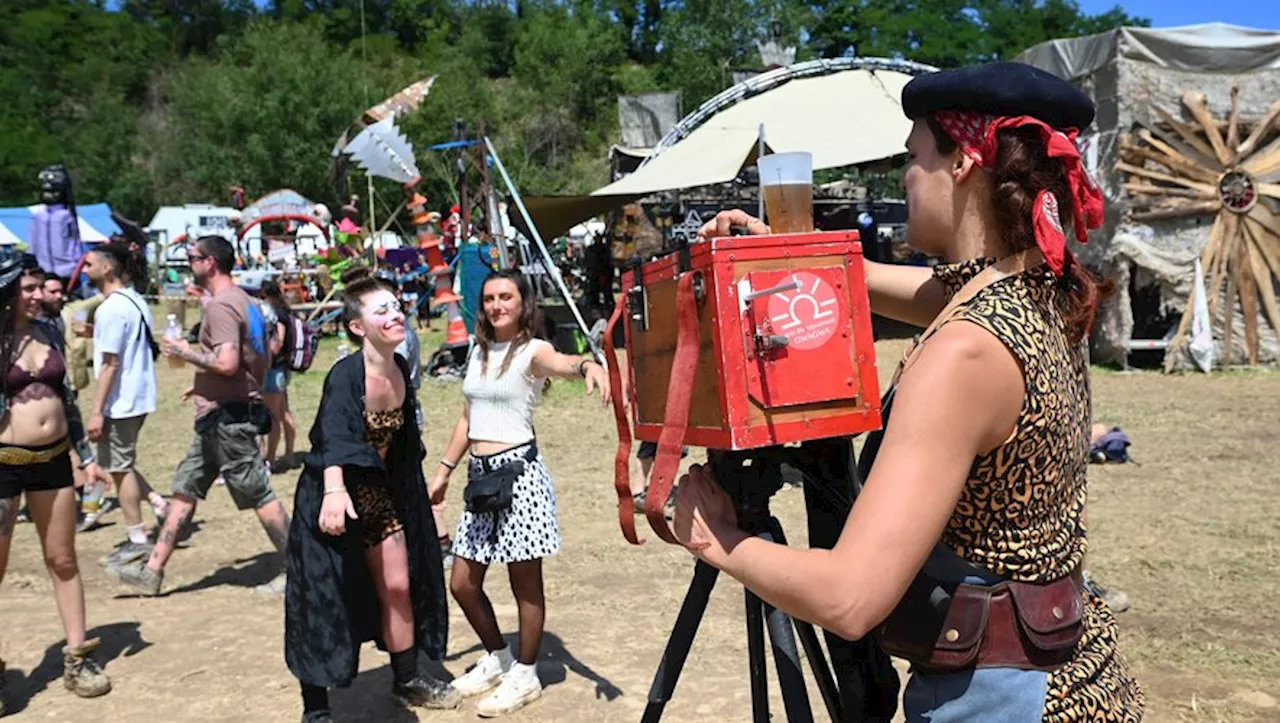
138	576
127	552
425	691
317	716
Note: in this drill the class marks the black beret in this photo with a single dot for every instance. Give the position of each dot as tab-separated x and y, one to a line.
1004	89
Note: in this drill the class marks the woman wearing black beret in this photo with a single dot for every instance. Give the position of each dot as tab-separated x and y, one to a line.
963	551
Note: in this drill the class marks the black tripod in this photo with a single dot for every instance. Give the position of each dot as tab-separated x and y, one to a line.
751	478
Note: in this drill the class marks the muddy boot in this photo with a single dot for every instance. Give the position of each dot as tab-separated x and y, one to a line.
424	691
80	674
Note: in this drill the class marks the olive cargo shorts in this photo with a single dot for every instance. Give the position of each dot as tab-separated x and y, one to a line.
229	450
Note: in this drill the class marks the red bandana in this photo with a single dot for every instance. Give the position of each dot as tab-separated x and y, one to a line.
975	133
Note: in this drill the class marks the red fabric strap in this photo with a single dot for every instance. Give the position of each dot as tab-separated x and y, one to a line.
976	133
676	420
622	461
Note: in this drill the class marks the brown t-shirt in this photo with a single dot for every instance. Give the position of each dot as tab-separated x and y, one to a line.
226	321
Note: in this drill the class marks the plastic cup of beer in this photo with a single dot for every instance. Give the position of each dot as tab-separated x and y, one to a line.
786	179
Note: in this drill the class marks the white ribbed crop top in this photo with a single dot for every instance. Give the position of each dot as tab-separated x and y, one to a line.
502	407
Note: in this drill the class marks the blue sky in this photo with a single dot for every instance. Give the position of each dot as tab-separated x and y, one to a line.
1263	14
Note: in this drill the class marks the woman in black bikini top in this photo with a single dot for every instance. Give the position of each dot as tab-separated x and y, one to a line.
39	423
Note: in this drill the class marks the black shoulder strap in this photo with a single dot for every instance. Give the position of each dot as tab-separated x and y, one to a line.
142	317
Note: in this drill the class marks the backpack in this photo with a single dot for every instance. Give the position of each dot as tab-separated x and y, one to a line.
300	343
256	329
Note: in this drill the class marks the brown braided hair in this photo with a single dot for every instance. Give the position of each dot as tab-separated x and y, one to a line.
1022	169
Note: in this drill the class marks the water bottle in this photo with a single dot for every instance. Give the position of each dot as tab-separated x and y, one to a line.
344	349
173	332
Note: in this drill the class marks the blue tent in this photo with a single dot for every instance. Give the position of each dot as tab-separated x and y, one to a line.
96	224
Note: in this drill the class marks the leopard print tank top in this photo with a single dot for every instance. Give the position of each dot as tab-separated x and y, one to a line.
1021	514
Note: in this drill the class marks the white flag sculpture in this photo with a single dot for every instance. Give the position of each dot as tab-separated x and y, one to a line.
1201	346
381	150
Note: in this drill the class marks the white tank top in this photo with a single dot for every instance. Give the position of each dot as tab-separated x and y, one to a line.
502	406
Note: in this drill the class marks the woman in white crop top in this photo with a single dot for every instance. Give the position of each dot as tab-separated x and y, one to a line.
511	502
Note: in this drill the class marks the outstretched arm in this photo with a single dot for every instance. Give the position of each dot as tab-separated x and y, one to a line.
960	398
547	362
904	293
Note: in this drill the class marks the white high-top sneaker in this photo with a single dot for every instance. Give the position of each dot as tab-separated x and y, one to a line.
486	674
520	687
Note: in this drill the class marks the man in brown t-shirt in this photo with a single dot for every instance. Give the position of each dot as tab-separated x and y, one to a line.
230	362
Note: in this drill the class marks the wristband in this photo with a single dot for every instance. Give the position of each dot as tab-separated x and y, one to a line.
335	491
450	465
582	367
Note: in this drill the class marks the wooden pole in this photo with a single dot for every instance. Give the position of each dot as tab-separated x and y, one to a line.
1265	283
1260	130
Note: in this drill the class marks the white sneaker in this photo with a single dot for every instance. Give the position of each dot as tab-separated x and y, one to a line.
520	687
486	674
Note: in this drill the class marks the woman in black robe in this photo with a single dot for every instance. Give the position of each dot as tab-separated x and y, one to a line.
363	561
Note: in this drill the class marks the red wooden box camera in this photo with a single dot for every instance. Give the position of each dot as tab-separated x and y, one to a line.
745	342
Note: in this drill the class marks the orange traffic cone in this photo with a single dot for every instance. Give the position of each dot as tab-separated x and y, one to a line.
456	331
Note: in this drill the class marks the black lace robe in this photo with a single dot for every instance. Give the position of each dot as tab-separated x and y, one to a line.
331	607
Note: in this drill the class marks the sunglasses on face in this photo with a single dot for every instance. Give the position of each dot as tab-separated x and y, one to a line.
196	257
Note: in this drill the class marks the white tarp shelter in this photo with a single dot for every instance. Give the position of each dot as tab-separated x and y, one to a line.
1126	71
845	111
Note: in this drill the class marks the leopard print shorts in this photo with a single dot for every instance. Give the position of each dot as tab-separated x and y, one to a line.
378	518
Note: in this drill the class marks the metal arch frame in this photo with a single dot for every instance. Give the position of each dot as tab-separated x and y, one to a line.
772	79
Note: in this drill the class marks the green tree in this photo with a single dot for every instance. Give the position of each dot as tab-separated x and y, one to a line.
262	114
74	77
950	33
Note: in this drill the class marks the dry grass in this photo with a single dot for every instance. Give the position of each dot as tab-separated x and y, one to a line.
1192	535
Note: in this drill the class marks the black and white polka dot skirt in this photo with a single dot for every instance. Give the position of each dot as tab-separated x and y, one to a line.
527	530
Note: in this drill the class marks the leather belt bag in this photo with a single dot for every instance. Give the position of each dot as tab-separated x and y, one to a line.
1007	625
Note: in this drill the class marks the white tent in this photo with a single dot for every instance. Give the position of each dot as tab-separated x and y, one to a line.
845	111
845	118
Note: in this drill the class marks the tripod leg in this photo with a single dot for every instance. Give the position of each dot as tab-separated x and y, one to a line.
821	671
755	658
812	650
681	640
795	699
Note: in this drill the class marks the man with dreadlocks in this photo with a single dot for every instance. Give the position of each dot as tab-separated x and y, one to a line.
39	424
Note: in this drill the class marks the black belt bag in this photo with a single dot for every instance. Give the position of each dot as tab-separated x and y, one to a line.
255	413
491	487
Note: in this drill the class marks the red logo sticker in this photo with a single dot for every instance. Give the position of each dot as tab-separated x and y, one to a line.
807	316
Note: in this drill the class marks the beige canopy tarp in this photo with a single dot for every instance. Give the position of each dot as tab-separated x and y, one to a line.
844	118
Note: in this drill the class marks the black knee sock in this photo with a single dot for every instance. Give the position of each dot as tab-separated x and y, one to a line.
314	698
404	666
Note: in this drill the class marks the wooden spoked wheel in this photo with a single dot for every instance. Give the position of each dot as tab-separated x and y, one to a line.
1177	169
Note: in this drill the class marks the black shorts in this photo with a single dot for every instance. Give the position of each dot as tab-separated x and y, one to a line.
40	477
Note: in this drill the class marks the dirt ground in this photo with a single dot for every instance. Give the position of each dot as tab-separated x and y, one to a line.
1192	535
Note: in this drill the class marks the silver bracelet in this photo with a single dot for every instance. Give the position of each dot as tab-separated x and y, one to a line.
335	491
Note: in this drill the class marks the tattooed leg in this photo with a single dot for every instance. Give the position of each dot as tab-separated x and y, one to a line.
275	521
181	509
8	514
